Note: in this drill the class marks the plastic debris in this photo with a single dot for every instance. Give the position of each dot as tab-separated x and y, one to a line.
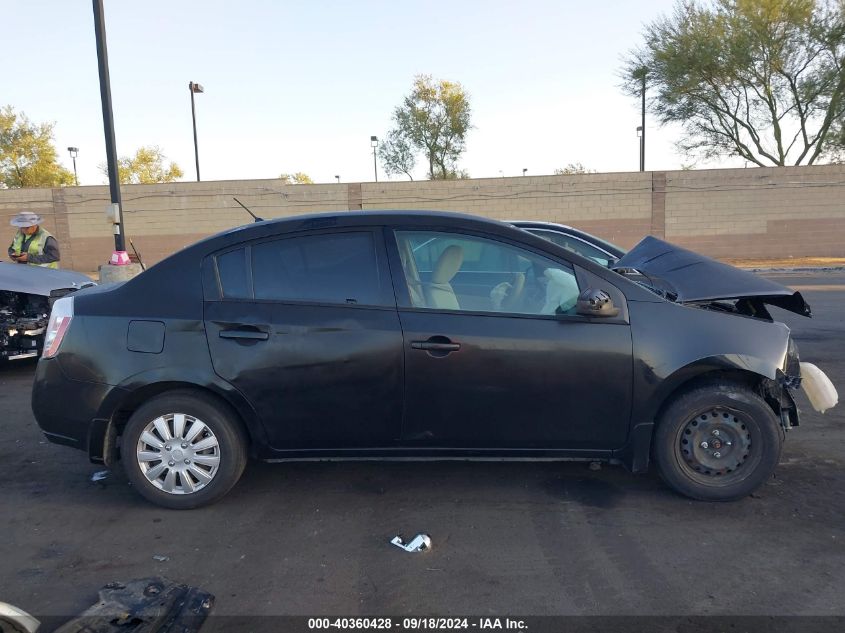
420	543
160	558
16	620
595	465
146	604
100	475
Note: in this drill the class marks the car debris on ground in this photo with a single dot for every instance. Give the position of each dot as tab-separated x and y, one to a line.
147	604
420	543
16	620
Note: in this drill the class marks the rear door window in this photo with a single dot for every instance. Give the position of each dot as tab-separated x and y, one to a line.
233	274
326	268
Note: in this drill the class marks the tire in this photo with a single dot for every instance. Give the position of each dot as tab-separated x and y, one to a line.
717	442
198	470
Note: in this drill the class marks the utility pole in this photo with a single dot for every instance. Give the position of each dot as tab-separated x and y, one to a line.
642	134
108	125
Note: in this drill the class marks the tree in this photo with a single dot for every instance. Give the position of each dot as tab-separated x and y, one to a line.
434	119
27	155
573	168
298	178
397	155
760	79
145	167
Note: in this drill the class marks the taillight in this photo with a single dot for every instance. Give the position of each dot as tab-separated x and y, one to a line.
60	318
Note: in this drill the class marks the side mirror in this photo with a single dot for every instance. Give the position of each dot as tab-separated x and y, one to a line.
596	303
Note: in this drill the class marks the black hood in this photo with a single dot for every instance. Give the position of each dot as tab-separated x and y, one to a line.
696	278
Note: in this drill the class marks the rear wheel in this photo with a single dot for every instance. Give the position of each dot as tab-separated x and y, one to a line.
183	450
717	442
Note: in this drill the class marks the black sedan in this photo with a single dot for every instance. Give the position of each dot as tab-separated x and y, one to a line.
419	335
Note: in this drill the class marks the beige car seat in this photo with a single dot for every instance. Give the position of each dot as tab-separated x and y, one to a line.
438	292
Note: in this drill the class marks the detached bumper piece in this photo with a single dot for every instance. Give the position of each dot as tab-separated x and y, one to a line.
147	605
820	391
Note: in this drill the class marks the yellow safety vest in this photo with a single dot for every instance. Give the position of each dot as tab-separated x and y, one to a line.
36	246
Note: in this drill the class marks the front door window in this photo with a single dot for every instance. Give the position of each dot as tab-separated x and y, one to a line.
450	271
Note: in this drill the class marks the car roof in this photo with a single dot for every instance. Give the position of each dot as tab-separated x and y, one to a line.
341	219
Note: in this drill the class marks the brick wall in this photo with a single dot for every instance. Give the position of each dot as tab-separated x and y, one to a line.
732	213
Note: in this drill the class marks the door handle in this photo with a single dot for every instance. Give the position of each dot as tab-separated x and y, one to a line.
437	346
254	335
440	347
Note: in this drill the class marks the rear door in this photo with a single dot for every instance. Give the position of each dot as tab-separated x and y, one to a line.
306	327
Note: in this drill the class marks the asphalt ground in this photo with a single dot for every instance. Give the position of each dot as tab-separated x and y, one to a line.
507	538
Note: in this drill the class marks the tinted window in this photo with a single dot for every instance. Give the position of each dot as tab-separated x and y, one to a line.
449	271
231	267
330	268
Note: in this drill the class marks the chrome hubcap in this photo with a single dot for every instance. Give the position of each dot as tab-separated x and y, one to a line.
715	443
178	453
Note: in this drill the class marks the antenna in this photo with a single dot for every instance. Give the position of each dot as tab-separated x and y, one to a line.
246	208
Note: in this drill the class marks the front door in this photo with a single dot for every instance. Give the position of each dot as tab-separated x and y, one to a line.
306	328
495	356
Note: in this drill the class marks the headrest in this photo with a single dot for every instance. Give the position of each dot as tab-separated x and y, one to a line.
448	265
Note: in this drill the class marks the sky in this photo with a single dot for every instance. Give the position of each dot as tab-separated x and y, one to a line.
301	86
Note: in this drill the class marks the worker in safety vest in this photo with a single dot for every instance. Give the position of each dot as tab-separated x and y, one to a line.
32	244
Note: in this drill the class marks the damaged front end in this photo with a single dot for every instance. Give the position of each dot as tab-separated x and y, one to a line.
778	392
27	294
23	321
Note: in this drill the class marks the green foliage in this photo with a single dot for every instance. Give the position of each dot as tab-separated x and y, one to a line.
397	154
433	119
27	155
298	178
573	168
759	79
145	167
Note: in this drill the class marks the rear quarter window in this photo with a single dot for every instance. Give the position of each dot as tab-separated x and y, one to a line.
233	276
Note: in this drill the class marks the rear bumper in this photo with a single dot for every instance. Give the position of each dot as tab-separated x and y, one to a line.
71	412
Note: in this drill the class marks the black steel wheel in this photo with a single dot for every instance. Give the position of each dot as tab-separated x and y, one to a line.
717	442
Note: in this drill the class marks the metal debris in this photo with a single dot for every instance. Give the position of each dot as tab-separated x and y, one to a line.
100	475
420	543
160	558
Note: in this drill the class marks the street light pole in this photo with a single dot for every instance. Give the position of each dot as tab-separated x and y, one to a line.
195	88
74	152
374	144
108	124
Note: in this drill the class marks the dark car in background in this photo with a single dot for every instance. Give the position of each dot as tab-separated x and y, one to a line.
399	335
585	244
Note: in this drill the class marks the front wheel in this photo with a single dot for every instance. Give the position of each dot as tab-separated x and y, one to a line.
183	450
717	442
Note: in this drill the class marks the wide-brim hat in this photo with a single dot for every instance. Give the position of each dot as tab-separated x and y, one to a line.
25	219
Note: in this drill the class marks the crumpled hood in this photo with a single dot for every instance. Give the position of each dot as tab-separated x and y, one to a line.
694	277
37	280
